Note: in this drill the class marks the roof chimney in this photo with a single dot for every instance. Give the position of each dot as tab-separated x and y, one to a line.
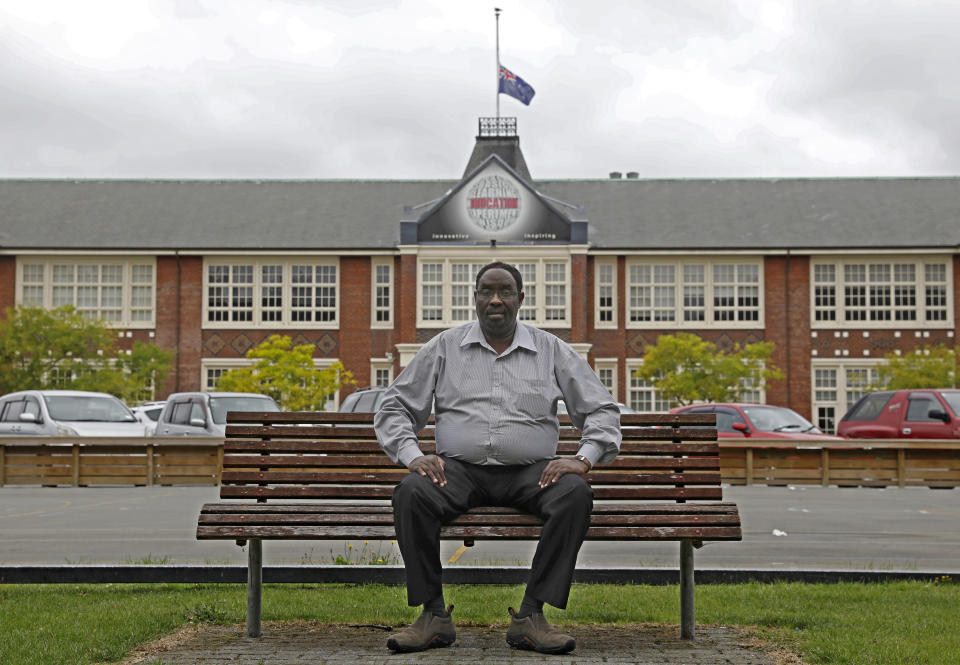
633	175
615	175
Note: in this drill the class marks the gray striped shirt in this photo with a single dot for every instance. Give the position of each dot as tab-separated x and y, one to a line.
494	409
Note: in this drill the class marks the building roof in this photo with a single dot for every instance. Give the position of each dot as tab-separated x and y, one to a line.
629	214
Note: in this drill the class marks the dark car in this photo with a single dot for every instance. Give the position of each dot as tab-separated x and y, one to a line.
904	414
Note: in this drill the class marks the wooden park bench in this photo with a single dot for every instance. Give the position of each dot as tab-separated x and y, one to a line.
323	476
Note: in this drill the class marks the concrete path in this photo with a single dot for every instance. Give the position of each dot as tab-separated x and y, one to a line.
284	644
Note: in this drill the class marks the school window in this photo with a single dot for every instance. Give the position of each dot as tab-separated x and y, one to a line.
874	293
213	375
555	291
838	386
120	292
381	372
462	283
528	271
605	294
641	396
694	294
750	393
272	293
382	296
446	287
607	373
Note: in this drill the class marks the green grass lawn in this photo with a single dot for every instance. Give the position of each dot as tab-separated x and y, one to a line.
908	623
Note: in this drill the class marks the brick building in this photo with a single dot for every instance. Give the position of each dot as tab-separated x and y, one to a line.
835	272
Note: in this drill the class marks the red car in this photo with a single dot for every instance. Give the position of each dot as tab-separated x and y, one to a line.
904	414
763	421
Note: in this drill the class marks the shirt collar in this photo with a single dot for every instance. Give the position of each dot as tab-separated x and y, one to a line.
522	338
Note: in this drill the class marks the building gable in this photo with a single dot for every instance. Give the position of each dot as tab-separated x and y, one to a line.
494	204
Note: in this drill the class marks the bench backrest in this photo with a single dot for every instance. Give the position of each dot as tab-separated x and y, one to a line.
318	455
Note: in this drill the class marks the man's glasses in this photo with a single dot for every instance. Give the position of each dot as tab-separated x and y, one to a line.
505	294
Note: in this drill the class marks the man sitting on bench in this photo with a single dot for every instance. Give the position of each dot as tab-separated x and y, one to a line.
495	383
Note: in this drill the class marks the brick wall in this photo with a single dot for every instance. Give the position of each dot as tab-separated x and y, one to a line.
8	282
787	325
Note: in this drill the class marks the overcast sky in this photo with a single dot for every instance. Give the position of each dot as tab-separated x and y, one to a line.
393	89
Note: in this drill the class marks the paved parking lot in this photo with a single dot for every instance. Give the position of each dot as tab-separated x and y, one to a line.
784	527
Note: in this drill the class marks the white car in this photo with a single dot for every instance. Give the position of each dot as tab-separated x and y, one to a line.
66	413
205	414
148	413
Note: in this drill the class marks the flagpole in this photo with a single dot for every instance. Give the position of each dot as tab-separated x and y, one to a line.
496	13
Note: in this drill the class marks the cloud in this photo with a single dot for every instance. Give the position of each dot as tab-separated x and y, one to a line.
393	89
881	73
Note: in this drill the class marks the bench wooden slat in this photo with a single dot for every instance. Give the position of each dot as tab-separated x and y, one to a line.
232	446
392	477
568	433
620	508
235	461
626	419
386	492
359	519
368	532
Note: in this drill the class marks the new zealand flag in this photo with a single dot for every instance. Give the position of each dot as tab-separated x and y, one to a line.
516	87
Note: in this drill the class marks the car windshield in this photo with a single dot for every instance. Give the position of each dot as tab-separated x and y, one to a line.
953	399
88	408
220	405
778	419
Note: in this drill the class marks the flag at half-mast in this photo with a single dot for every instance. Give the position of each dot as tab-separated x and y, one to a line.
513	85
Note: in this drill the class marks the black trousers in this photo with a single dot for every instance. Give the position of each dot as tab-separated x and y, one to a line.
420	507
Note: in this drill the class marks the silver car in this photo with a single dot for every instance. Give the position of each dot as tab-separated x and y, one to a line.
66	413
205	414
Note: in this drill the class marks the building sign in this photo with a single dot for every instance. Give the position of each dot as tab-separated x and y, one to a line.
493	204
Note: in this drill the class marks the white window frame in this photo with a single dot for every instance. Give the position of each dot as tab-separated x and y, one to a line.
761	395
635	386
610	365
285	312
601	284
819	265
536	298
381	289
225	364
128	264
381	365
841	401
683	280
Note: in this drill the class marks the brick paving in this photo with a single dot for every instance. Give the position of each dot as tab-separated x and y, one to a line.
303	644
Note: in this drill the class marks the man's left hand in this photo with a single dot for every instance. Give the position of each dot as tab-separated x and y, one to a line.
558	468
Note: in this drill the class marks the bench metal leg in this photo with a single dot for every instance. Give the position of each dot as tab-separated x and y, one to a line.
254	586
687	617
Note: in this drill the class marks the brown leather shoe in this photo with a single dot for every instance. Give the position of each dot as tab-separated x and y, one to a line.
428	631
533	632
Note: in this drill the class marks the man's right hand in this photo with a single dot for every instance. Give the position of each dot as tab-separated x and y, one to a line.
430	466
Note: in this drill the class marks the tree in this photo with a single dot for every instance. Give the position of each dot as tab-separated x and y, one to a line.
287	375
926	367
42	349
684	368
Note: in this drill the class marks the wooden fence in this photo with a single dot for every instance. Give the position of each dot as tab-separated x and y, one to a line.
110	461
58	461
850	463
